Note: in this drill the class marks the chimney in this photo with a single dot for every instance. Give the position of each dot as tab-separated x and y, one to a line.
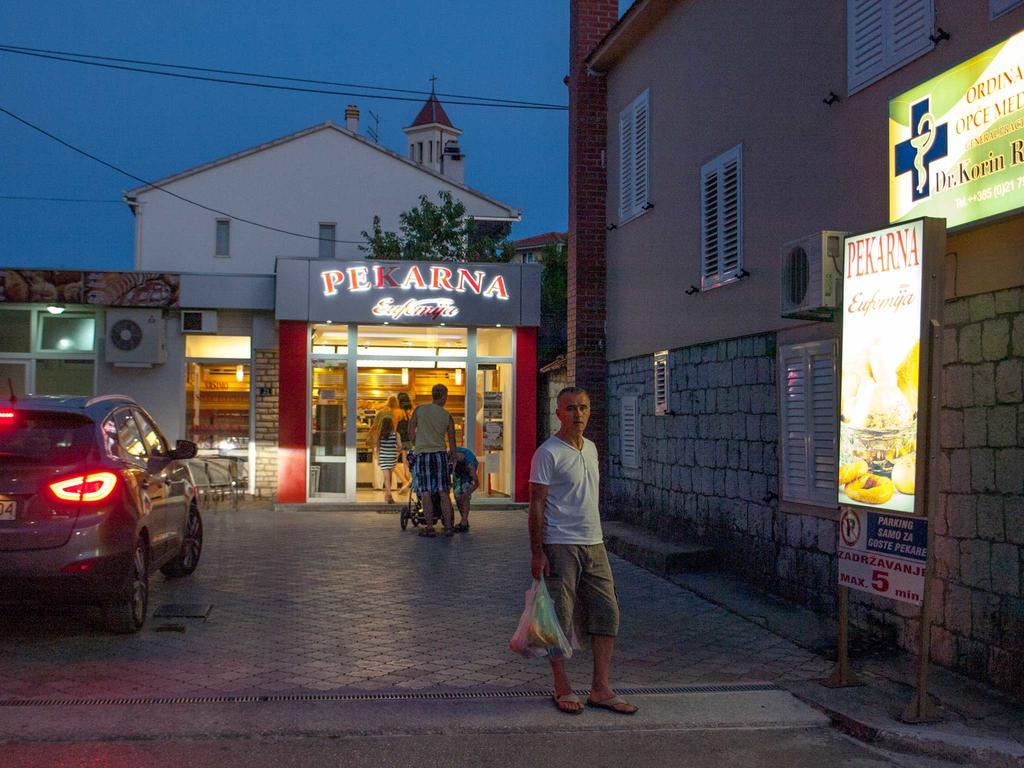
452	162
352	118
589	22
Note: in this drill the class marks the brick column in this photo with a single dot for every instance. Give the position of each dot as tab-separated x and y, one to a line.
589	22
265	381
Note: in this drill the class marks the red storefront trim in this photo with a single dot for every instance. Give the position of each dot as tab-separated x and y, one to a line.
293	388
526	408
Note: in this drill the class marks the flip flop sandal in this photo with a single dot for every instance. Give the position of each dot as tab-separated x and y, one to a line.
615	704
568	698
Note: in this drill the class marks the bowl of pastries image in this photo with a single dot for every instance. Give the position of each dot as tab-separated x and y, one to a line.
878	429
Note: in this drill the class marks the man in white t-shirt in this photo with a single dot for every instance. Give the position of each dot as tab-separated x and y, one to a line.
568	549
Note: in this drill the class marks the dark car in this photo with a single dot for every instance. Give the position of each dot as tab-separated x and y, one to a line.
92	501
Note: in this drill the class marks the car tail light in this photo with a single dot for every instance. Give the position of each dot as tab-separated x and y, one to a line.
82	566
6	417
90	488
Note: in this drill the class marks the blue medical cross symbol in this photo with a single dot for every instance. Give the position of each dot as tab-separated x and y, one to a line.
906	152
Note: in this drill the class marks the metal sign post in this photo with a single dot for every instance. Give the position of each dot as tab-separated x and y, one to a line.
842	675
921	708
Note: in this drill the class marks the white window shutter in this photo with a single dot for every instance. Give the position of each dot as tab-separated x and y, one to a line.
821	441
634	136
721	211
626	164
793	388
629	428
999	7
641	130
661	384
808	411
883	35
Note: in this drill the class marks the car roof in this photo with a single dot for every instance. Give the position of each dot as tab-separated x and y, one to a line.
92	406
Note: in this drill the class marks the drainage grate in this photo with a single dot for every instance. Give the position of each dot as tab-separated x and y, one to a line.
182	611
327	697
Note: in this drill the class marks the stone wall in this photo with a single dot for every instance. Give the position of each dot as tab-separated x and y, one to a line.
266	384
709	473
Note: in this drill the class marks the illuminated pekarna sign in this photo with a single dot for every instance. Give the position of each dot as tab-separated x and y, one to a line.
891	297
407	292
433	279
956	142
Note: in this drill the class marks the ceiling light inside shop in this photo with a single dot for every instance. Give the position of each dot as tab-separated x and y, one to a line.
458	376
405	376
383	363
54	309
239	373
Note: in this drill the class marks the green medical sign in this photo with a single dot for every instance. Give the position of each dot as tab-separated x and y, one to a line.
956	142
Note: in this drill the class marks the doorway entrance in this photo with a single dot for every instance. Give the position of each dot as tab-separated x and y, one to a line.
362	376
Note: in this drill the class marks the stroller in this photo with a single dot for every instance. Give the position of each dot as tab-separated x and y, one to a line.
412	512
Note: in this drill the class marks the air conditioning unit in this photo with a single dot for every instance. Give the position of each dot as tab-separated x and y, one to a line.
199	321
812	274
136	338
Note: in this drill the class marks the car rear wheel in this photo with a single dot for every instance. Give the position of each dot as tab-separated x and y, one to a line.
127	612
185	562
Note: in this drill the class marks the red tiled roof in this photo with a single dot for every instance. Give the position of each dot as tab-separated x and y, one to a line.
536	240
432	112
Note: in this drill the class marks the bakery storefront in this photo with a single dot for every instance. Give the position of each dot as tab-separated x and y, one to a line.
354	336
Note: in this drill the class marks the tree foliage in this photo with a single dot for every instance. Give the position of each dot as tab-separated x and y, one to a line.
436	232
554	303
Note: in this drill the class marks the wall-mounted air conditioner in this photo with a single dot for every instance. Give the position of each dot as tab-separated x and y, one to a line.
135	338
199	321
812	274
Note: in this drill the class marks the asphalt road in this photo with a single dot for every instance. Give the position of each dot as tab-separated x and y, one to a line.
810	748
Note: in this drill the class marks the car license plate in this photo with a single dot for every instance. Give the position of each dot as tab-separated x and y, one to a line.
8	509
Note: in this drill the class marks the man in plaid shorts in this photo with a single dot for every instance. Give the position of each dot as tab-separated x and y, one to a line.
428	427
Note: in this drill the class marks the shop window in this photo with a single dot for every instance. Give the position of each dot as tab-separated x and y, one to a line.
807	388
217	408
219	347
721	225
884	35
494	342
64	377
634	131
661	383
13	377
15	331
330	339
66	333
377	340
327	424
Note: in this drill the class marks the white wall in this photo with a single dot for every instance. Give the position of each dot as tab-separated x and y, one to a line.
324	176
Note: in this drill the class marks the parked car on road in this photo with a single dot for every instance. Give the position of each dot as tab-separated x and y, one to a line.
92	501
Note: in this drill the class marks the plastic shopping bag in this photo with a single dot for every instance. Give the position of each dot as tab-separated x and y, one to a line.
539	632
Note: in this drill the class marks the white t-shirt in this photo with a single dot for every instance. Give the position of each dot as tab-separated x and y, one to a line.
571	513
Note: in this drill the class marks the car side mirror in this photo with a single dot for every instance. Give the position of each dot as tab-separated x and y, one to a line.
185	449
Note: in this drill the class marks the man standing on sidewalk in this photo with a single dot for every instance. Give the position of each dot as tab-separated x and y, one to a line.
428	427
568	548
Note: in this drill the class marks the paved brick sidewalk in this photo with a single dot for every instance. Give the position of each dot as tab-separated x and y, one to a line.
311	602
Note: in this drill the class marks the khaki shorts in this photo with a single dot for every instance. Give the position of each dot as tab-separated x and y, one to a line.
582	589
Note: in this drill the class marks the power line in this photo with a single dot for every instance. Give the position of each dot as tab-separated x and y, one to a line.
60	199
274	86
151	185
488	99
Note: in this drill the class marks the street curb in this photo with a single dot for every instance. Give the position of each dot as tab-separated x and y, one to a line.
914	744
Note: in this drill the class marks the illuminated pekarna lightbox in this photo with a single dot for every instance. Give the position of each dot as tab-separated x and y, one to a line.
892	294
956	142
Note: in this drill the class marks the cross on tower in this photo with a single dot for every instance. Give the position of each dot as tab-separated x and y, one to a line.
928	142
433	82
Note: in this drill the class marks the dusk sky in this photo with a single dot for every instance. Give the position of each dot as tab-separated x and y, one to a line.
154	126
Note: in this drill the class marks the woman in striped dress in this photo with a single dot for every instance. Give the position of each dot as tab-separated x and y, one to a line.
389	451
